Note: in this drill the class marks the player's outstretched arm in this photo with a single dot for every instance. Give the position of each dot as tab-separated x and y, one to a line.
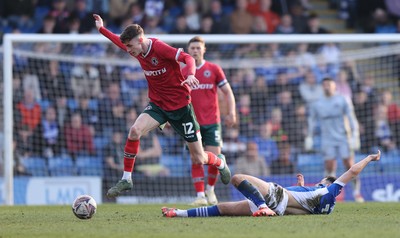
358	167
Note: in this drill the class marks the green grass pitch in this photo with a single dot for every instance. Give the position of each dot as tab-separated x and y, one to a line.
348	220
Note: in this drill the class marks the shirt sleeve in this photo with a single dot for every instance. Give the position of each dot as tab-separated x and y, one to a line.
221	78
335	188
112	37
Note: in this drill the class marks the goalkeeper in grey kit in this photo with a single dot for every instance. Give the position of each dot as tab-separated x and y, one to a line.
339	131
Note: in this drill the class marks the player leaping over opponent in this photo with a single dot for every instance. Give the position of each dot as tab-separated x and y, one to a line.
270	199
170	101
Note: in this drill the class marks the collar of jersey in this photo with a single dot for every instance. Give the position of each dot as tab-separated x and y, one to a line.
199	67
148	50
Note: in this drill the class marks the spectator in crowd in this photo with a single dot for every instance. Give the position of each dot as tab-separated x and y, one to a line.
314	27
304	59
148	158
117	118
152	25
24	139
82	15
259	99
52	81
393	114
192	15
79	140
90	115
241	21
20	14
382	22
367	85
288	108
299	17
353	73
85	80
259	25
323	69
270	17
60	12
181	26
298	130
383	132
62	109
206	25
48	26
246	125
283	165
364	112
233	146
221	23
275	122
49	135
118	10
286	25
19	155
30	111
252	163
310	90
253	7
331	53
136	14
112	97
342	85
267	147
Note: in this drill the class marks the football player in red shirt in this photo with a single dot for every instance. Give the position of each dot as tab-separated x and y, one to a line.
205	103
170	100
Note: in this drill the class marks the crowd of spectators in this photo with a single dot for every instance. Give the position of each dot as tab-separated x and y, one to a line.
83	110
197	17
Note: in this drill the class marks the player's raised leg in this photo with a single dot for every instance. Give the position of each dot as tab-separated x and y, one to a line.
143	124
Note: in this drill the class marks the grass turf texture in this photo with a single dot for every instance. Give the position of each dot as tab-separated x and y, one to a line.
111	220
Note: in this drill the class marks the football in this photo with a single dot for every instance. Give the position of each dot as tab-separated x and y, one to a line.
84	207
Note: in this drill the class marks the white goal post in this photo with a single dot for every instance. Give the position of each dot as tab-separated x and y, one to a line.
8	51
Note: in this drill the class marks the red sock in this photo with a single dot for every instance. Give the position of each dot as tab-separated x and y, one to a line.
130	152
212	175
213	159
198	177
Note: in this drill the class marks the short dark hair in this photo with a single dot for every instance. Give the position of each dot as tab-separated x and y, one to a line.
327	79
130	32
197	39
331	179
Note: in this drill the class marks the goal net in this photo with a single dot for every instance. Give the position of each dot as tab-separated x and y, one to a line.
69	101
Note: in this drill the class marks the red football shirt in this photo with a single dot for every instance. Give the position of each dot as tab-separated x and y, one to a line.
205	97
162	71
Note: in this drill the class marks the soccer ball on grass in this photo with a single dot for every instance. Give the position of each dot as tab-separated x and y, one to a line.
84	207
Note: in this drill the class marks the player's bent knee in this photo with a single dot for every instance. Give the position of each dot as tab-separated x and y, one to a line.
134	133
237	179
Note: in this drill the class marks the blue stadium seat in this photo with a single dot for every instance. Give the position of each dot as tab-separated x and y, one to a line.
36	166
89	165
61	166
176	164
310	164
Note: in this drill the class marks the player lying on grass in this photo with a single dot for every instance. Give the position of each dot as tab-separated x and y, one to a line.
270	199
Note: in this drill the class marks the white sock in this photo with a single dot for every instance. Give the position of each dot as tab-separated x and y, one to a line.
201	195
222	165
210	188
181	213
127	175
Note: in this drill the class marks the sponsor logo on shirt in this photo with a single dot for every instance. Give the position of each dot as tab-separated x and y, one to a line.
204	86
155	72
